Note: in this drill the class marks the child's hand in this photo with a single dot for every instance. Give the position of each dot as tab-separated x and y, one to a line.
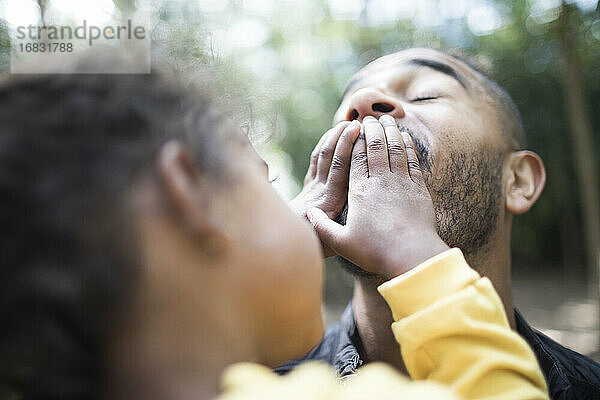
326	182
390	227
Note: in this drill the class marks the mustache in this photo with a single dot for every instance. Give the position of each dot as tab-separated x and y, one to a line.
422	148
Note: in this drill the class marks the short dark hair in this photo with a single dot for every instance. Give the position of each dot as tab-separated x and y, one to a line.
70	147
509	117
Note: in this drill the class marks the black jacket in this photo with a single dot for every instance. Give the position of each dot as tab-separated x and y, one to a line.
569	375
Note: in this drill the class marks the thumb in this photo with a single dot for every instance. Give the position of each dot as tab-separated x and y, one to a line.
330	232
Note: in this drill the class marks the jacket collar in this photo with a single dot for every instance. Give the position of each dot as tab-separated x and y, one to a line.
341	346
347	357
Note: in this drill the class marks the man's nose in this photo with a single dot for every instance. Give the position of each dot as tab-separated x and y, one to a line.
372	102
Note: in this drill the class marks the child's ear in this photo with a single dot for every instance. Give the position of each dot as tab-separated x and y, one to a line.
189	196
525	181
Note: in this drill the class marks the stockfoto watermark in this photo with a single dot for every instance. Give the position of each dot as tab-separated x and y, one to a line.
59	42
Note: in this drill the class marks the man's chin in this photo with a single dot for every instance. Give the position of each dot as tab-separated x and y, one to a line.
355	270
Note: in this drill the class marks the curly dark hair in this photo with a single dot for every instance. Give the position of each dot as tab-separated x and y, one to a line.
70	147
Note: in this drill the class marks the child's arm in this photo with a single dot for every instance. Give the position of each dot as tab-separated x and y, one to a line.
452	328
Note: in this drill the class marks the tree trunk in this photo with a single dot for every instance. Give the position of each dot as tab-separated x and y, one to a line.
582	138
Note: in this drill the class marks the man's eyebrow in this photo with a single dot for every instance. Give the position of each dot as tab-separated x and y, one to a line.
438	66
423	62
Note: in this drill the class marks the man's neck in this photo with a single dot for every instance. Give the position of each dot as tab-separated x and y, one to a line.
373	321
496	265
374	318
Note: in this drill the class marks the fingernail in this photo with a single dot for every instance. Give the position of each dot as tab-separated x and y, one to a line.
387	119
407	138
354	124
369	118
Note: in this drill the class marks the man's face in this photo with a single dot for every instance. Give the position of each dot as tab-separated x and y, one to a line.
443	104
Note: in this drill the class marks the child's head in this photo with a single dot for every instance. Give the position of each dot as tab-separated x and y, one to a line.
139	235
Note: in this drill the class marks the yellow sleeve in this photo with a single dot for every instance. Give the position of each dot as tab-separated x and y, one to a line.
317	381
452	329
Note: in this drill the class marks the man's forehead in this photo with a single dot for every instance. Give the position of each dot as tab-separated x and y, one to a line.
405	57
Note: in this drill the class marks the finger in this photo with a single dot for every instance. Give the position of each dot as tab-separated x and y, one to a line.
340	163
325	154
330	232
412	161
314	156
395	143
377	156
312	167
359	168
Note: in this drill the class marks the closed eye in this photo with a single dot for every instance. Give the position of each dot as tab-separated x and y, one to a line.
423	98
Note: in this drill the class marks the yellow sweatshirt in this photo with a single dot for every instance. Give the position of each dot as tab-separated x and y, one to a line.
455	340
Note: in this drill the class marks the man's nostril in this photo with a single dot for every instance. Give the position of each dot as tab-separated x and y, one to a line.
382	107
353	115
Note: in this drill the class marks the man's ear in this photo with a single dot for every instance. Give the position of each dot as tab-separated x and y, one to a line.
189	196
525	182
